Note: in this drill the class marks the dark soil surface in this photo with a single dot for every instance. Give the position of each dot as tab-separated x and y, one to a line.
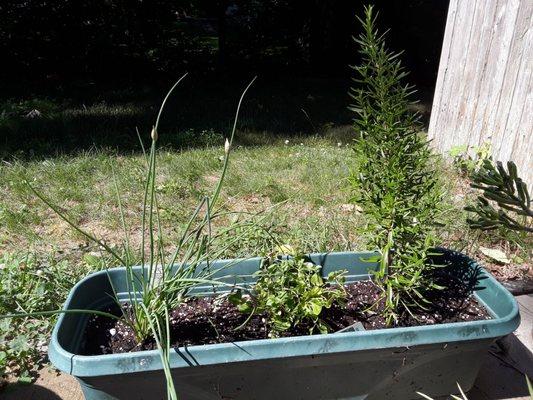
208	320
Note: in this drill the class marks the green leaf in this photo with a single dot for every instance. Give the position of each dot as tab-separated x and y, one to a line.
371	259
322	328
235	298
92	260
20	343
24	379
316	280
245	308
458	150
316	308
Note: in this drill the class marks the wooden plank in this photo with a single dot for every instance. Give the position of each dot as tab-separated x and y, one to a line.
484	87
518	120
522	152
481	70
467	16
457	60
459	116
497	65
502	83
436	109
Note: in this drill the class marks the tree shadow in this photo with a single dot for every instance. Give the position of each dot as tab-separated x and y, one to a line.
200	113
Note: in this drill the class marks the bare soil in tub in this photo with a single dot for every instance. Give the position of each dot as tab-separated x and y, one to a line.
208	320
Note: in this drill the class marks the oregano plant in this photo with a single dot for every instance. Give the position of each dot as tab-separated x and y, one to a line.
292	293
394	181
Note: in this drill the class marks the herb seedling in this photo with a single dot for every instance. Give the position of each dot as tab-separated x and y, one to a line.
291	293
466	163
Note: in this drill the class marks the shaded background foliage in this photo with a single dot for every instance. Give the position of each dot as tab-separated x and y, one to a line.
130	39
114	57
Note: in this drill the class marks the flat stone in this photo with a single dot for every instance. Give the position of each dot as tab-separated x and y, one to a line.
502	376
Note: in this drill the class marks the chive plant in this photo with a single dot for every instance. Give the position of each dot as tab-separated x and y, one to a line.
393	182
165	281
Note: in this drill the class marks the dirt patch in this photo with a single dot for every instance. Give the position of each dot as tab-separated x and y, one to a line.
49	385
510	272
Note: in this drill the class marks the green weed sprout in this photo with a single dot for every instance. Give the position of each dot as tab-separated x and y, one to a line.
466	163
394	182
506	190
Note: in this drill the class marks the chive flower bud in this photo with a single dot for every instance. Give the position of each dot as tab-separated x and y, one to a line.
226	146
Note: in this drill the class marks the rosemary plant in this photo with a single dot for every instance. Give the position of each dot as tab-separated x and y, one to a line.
394	182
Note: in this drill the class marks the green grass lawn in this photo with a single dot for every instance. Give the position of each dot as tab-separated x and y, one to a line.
199	113
300	187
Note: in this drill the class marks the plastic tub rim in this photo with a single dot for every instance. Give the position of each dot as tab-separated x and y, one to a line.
297	346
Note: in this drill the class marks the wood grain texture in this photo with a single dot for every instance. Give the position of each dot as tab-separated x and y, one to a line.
484	89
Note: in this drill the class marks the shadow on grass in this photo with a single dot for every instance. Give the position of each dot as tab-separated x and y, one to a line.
199	114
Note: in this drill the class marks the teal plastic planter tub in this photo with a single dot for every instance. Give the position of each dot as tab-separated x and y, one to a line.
380	364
